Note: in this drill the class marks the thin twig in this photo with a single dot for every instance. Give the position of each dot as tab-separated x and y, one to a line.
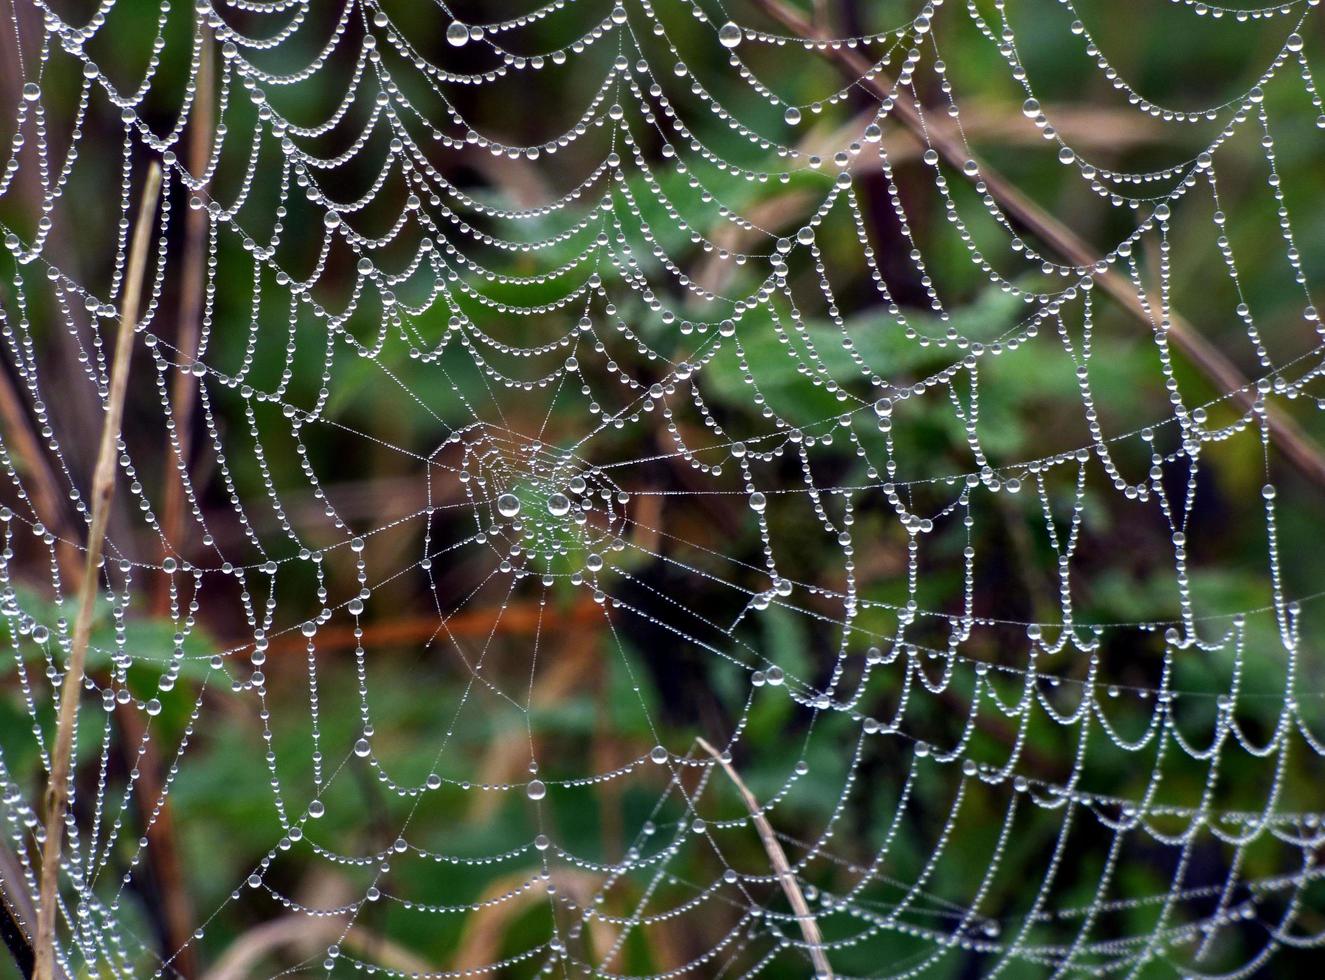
1297	446
103	492
809	926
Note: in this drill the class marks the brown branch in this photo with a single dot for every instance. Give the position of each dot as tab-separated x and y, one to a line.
514	619
15	938
184	386
809	926
44	492
176	908
1297	446
103	492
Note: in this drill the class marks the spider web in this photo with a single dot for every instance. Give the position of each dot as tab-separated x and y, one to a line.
654	449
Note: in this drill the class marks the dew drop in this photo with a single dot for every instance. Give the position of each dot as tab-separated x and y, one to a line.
558	505
729	35
535	789
508	505
457	34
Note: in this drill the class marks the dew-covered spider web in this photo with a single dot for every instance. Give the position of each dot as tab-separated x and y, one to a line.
576	454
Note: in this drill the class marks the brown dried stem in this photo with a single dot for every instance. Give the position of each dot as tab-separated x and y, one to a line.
103	492
814	940
184	386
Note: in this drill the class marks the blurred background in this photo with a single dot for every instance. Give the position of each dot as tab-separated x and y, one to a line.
421	405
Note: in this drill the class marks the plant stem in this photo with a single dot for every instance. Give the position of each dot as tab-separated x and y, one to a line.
823	970
103	491
193	286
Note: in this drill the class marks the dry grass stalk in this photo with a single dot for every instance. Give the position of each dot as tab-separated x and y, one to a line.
814	939
103	491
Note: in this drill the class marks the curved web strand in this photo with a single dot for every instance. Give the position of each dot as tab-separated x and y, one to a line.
579	385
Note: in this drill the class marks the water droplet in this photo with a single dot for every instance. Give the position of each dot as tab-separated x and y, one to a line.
457	34
535	789
362	748
508	505
729	35
758	502
32	91
558	505
792	115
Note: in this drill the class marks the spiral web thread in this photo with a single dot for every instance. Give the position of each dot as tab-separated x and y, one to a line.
609	314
